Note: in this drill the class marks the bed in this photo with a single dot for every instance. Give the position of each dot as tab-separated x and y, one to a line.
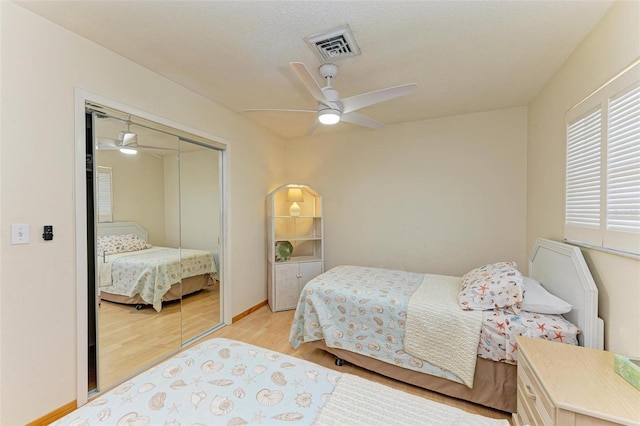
332	307
132	271
226	382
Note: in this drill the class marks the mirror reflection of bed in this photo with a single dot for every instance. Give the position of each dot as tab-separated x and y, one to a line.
157	250
162	314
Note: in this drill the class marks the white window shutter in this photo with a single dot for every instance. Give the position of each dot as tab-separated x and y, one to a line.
583	186
623	172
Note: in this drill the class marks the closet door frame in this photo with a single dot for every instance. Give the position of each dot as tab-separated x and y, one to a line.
82	321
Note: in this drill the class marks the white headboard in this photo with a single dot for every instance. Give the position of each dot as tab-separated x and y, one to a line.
122	228
562	270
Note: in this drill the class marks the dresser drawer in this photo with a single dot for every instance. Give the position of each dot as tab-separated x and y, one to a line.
534	406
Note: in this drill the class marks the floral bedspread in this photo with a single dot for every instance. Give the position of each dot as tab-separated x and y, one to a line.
217	382
362	310
151	272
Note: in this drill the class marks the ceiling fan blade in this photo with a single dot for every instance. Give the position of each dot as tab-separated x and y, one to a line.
315	111
361	120
312	128
356	102
310	82
106	144
154	147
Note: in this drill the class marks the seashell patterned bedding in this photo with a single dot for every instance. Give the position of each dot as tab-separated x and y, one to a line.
222	381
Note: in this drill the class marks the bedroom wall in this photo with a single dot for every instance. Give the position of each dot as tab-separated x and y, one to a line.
42	65
610	47
441	196
137	197
199	197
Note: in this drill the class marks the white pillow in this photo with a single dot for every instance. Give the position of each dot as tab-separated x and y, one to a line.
537	299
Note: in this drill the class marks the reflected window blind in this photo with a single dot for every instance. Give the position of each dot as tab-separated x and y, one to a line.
105	202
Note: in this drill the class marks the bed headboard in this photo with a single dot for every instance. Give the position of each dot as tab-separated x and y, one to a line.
122	228
562	270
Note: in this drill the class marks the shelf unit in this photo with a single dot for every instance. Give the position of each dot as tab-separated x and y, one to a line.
305	232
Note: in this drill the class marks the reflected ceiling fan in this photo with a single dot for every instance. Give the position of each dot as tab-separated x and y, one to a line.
127	143
331	109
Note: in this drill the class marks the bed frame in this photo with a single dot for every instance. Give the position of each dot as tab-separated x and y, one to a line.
177	291
562	270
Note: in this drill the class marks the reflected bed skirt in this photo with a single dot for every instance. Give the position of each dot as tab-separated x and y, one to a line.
188	286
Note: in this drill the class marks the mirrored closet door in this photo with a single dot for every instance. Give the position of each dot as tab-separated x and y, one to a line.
156	224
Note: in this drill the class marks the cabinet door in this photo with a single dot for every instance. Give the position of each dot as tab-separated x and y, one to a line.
287	286
308	271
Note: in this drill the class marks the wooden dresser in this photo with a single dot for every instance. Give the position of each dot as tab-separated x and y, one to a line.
562	384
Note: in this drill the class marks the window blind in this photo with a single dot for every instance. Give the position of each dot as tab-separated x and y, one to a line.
623	163
603	166
583	171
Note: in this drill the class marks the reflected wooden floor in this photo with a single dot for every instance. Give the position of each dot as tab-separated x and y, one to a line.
271	330
130	339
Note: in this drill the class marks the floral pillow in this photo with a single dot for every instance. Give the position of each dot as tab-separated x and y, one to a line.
111	244
493	286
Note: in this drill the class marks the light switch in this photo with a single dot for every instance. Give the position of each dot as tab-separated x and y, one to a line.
19	234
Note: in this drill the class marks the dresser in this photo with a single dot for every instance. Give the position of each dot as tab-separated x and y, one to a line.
562	384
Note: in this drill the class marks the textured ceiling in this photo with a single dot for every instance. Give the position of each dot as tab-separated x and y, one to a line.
465	56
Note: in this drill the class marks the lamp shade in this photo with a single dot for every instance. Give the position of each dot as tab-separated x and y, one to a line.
295	194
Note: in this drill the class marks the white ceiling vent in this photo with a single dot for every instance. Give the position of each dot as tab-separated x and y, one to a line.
334	44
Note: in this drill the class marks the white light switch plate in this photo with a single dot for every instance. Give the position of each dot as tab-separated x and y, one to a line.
19	234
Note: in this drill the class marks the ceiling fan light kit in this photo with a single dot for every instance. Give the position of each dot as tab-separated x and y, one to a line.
129	151
329	116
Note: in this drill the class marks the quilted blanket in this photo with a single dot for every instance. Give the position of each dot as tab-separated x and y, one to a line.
359	402
439	331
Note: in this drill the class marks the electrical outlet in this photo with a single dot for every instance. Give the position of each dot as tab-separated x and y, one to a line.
19	234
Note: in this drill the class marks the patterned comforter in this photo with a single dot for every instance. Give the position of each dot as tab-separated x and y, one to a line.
364	310
151	272
225	382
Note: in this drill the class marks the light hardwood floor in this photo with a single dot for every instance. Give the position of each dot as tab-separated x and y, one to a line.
271	330
130	339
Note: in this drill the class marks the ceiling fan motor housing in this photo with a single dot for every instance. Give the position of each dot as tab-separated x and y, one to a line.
328	70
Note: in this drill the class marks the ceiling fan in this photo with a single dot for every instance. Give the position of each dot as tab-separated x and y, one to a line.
127	143
331	109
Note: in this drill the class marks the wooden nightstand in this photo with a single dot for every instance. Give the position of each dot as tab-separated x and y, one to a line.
562	384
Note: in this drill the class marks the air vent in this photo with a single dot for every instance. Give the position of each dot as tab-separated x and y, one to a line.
334	44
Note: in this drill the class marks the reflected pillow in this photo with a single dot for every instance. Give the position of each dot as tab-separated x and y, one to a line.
538	299
493	286
111	244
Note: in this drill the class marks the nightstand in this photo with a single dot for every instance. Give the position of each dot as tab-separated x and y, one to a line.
562	384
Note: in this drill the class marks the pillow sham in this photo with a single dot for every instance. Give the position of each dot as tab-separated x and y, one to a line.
538	299
492	286
112	244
